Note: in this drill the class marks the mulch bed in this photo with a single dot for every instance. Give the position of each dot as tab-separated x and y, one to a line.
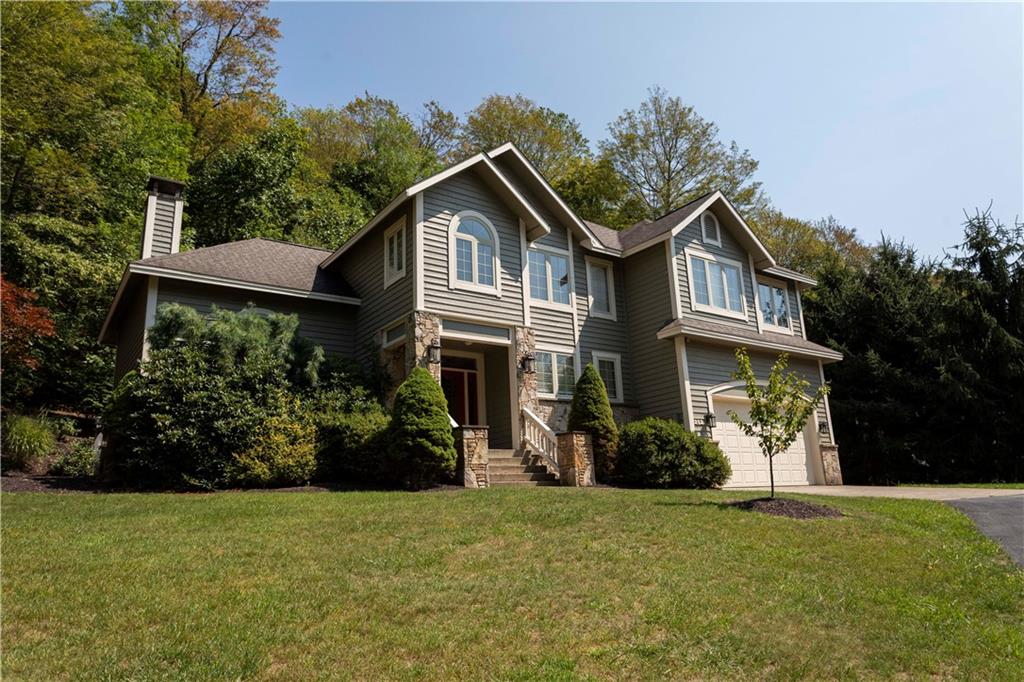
794	509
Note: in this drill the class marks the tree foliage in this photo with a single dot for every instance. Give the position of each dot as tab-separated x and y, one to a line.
778	410
22	322
669	155
591	412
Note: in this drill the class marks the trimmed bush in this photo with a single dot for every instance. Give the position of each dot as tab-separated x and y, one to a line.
422	449
79	461
353	446
282	453
25	441
658	453
591	412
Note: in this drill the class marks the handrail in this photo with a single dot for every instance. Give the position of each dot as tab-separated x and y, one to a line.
541	439
451	420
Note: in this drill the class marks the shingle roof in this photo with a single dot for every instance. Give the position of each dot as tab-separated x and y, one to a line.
645	229
707	329
259	261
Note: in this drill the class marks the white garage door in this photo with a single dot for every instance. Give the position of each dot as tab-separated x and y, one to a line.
749	465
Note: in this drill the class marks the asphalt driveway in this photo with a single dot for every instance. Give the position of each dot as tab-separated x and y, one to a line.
998	513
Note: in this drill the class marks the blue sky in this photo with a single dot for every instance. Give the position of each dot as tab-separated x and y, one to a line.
893	118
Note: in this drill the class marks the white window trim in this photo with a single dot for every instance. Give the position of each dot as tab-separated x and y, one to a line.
703	229
550	302
713	310
777	328
558	350
610	269
453	280
390	277
384	343
617	359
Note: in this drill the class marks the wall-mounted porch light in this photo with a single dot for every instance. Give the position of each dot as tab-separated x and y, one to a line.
823	427
529	363
709	420
434	352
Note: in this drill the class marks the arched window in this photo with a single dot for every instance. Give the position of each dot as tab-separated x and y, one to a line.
473	260
709	230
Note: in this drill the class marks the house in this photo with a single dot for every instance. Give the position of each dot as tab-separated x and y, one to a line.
484	275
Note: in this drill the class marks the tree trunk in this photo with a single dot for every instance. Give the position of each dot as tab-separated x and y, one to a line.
771	474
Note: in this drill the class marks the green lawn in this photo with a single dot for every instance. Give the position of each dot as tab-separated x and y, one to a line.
1008	486
507	584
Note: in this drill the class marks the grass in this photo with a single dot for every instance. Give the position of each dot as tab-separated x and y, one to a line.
503	584
1007	486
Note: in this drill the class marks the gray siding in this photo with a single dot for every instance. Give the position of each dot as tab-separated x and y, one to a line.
558	237
711	365
331	325
602	334
552	327
656	378
131	330
794	309
163	225
466	191
496	397
363	268
690	237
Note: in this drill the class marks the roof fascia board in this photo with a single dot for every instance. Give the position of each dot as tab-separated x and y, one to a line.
676	329
239	284
575	219
790	275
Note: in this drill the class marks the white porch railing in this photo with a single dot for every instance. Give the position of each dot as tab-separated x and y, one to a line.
451	420
540	439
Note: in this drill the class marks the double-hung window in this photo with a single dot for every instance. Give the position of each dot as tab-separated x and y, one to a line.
601	288
549	276
774	303
609	366
716	284
556	373
473	249
394	253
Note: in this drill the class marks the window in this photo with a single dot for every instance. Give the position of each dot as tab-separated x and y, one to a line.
709	231
716	285
601	288
556	373
394	334
609	366
774	304
473	249
549	276
394	253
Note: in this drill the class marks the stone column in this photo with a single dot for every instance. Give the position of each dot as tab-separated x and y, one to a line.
523	345
421	331
830	463
575	459
471	446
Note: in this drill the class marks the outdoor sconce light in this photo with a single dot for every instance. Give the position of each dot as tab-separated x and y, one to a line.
709	420
529	363
823	427
434	352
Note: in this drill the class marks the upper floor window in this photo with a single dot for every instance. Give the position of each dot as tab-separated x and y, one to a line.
716	285
473	253
709	230
394	253
556	373
601	288
774	305
549	276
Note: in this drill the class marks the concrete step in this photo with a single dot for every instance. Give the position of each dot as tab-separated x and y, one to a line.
497	479
508	461
515	468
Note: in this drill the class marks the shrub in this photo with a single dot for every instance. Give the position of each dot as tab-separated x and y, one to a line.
659	453
422	450
26	440
79	461
591	412
282	452
353	446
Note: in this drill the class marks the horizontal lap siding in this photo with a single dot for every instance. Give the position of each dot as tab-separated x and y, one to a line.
163	225
602	334
558	238
690	237
131	331
794	308
711	365
656	378
466	191
552	327
330	325
363	269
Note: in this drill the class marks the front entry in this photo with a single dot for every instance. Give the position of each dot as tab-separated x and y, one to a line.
462	383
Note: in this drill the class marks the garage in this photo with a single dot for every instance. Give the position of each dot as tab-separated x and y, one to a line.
798	465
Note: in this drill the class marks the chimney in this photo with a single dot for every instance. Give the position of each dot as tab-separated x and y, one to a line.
162	231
